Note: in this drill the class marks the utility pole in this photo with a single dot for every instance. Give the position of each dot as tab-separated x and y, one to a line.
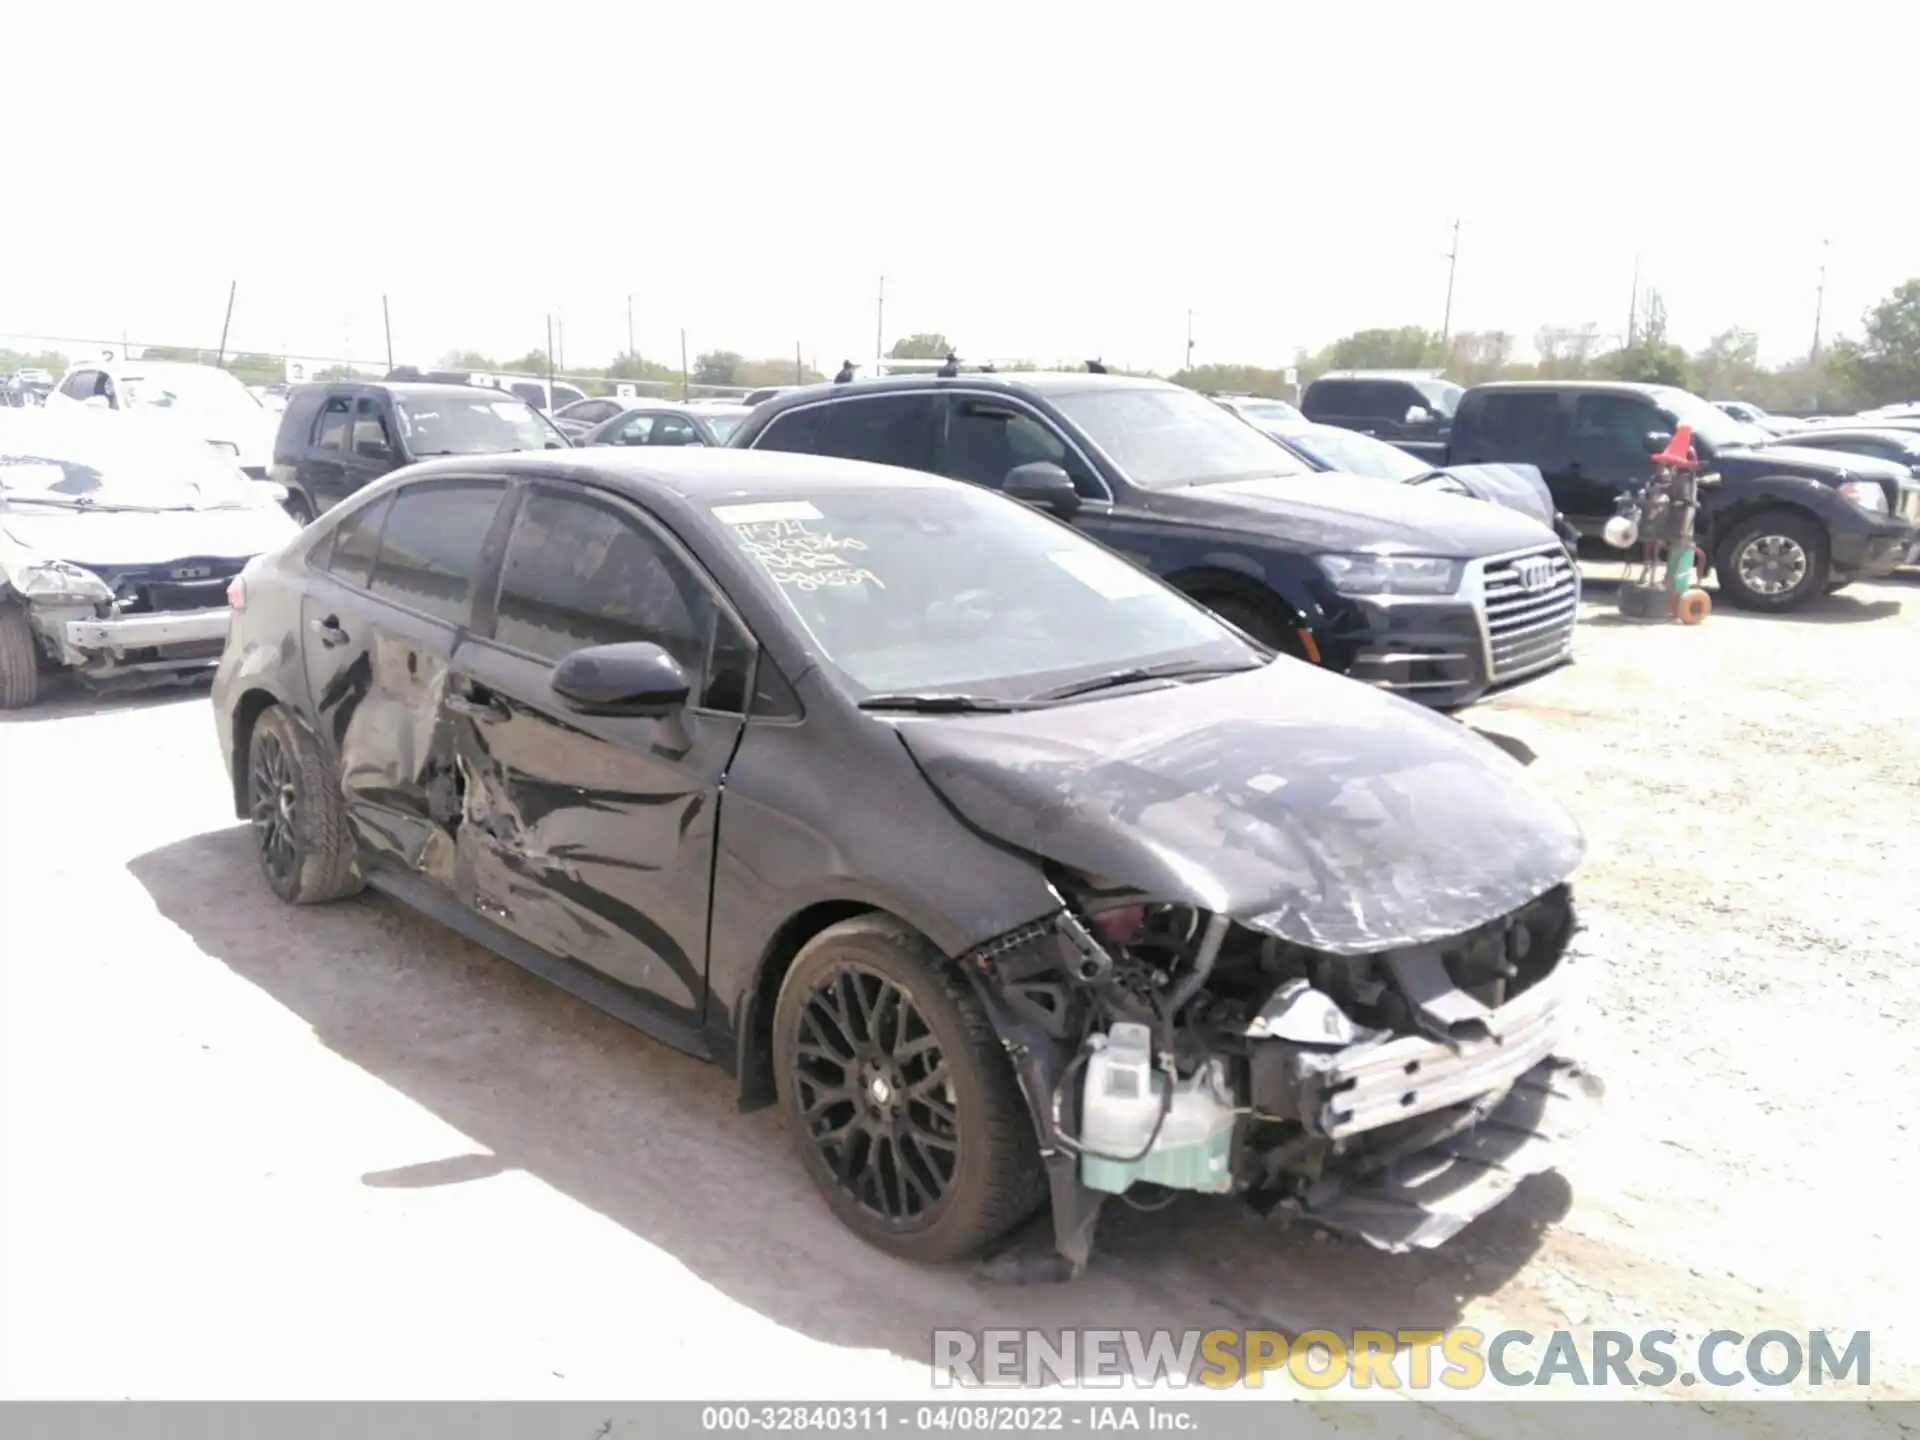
799	370
686	380
221	359
386	317
879	324
549	359
629	327
1446	319
1189	340
1633	301
1819	311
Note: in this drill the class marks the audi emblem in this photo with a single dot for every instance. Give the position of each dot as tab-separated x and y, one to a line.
1535	573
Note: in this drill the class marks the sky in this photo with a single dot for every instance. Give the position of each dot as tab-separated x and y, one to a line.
1050	180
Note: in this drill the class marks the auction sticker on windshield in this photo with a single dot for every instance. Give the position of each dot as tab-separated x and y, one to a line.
765	511
30	475
795	555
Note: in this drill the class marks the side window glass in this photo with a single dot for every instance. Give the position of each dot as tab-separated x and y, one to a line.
578	573
336	419
987	438
78	385
1517	423
729	667
674	430
797	431
356	541
882	429
637	431
530	392
370	437
1615	424
430	547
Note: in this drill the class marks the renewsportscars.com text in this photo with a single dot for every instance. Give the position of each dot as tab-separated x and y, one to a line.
1458	1359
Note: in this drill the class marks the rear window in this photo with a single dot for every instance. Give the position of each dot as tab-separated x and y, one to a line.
479	424
430	547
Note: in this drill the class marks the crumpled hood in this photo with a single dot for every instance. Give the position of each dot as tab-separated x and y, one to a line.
1335	512
1299	802
1518	487
142	537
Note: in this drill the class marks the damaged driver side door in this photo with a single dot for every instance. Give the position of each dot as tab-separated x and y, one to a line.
592	836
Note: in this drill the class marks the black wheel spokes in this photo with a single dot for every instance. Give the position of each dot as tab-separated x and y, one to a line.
875	1095
271	805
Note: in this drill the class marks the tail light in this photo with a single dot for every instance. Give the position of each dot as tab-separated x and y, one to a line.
237	593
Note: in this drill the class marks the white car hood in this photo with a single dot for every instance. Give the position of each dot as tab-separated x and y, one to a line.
149	537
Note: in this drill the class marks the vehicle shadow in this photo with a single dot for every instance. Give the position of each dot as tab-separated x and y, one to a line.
64	698
654	1141
1840	609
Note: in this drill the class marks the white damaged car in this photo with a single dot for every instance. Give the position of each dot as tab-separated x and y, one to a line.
118	540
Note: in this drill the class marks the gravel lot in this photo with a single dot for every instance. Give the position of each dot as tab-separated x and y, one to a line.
252	1152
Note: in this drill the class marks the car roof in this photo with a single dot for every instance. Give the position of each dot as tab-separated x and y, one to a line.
1012	382
698	473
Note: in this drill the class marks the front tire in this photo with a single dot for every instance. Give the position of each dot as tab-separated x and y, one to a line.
1256	620
19	660
299	818
1774	562
898	1095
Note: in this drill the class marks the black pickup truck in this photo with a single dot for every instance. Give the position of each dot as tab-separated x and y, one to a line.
1780	524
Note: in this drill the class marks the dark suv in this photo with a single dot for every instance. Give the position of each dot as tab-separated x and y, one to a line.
1429	595
1408	408
1780	523
338	437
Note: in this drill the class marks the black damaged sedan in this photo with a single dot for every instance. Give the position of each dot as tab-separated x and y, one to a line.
1015	877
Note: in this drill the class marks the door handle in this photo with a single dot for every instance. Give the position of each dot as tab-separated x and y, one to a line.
329	631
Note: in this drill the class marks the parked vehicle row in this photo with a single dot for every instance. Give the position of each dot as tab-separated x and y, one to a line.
1417	592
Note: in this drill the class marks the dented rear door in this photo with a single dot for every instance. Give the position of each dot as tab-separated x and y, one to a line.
377	634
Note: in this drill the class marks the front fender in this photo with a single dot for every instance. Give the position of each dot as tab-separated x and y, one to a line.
1726	503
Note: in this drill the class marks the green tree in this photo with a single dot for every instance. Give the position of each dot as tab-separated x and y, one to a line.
717	367
923	345
470	360
1409	347
1883	365
1235	380
1477	356
534	362
1649	357
1729	366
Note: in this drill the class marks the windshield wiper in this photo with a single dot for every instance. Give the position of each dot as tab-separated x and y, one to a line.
1139	674
937	704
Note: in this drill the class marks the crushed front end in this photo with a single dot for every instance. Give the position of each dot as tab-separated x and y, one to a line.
1393	1095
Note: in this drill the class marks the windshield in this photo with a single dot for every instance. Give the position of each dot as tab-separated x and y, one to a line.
185	387
470	425
1442	396
50	463
1358	454
1709	422
1163	438
922	588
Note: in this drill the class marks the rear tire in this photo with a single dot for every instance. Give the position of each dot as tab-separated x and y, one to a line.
19	659
899	1096
299	817
1774	562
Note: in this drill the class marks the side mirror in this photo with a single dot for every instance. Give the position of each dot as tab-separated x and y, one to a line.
372	450
1657	440
636	679
1043	484
1417	415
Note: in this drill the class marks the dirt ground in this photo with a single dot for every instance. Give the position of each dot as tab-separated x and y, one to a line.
252	1152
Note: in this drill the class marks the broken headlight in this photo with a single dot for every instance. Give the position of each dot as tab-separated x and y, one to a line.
60	580
1390	574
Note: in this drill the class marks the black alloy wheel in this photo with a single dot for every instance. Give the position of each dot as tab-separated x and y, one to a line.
876	1095
273	805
